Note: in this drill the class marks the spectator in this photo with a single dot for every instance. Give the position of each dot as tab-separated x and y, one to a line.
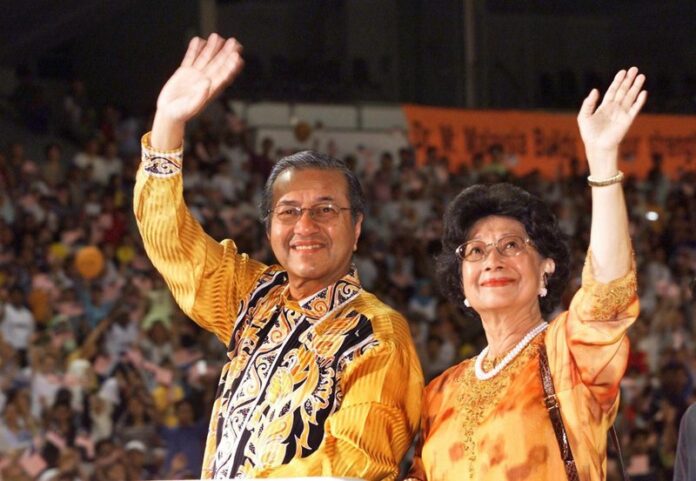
17	324
178	440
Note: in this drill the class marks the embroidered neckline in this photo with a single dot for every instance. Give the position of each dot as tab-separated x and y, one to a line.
477	400
327	299
482	375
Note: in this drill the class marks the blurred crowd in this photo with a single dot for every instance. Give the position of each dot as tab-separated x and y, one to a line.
104	378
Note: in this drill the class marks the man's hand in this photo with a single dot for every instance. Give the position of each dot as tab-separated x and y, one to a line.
208	67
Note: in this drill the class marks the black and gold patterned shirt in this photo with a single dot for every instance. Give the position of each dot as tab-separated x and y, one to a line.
326	386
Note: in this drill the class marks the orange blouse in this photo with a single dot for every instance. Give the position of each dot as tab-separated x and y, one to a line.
499	429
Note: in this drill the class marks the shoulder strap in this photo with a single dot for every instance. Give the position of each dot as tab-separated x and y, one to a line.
552	406
617	447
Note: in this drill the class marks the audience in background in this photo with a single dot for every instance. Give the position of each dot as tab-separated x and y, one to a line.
103	378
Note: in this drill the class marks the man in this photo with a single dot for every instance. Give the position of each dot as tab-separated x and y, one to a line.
323	379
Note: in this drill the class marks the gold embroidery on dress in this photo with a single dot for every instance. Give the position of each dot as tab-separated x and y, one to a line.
611	298
477	399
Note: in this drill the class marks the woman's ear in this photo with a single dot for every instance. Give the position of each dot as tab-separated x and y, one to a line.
549	266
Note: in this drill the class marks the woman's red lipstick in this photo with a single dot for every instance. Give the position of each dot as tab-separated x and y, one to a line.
503	281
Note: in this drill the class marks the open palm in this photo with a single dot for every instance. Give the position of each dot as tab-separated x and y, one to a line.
208	67
603	128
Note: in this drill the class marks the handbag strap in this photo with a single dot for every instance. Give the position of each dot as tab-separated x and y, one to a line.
617	447
554	409
552	406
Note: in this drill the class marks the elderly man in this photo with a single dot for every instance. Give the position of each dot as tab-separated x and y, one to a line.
323	379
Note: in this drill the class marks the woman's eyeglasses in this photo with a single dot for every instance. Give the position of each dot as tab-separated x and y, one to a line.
476	250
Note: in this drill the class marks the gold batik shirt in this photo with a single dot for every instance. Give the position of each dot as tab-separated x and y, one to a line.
499	429
329	385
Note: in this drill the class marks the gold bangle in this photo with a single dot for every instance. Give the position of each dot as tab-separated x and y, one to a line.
592	182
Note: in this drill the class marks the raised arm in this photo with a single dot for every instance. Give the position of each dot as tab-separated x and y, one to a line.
207	278
602	129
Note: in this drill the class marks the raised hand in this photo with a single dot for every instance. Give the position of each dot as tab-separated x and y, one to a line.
208	67
603	128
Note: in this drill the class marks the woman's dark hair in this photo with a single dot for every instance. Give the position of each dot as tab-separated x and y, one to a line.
479	201
308	159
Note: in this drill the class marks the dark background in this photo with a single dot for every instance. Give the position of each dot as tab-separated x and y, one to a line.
469	53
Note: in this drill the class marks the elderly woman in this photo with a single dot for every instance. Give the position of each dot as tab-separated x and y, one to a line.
504	260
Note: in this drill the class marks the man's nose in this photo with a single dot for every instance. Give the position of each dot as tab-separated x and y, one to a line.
306	222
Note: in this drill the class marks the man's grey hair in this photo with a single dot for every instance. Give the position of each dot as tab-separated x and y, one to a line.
305	160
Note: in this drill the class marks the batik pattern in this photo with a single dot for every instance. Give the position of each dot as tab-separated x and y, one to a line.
308	387
286	360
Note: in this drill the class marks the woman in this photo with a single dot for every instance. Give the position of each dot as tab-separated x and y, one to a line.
504	258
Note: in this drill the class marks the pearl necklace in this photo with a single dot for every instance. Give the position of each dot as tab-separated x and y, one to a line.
478	365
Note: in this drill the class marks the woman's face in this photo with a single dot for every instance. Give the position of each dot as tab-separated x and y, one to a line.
500	283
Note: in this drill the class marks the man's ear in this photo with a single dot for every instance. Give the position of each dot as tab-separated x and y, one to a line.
358	230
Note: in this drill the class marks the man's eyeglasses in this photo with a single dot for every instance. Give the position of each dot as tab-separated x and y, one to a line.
476	250
322	213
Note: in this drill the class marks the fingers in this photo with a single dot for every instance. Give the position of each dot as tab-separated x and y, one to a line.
625	85
226	64
589	104
227	75
614	87
195	46
626	90
638	104
632	93
211	48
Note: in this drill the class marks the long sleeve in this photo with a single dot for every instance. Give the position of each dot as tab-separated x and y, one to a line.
371	431
208	279
588	352
591	337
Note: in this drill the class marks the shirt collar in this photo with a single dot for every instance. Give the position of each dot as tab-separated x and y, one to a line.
327	299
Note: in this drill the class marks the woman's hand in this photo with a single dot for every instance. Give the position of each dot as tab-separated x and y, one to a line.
208	67
603	128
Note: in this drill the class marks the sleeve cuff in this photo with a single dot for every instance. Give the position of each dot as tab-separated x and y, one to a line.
160	163
609	299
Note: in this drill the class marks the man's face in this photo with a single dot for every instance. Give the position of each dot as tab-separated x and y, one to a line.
315	254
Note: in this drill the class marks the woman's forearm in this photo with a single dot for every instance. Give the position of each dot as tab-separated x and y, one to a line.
610	241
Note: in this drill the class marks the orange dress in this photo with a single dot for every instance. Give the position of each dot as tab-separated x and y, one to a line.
499	429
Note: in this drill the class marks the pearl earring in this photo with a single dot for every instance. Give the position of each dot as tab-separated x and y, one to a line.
466	302
542	290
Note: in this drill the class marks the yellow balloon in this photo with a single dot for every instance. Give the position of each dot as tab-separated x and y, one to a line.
302	131
89	262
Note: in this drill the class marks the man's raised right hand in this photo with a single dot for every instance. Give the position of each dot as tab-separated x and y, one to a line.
208	67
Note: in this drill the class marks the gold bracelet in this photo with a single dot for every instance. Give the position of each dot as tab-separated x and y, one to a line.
592	182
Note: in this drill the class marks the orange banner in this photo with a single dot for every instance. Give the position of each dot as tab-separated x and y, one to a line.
546	141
